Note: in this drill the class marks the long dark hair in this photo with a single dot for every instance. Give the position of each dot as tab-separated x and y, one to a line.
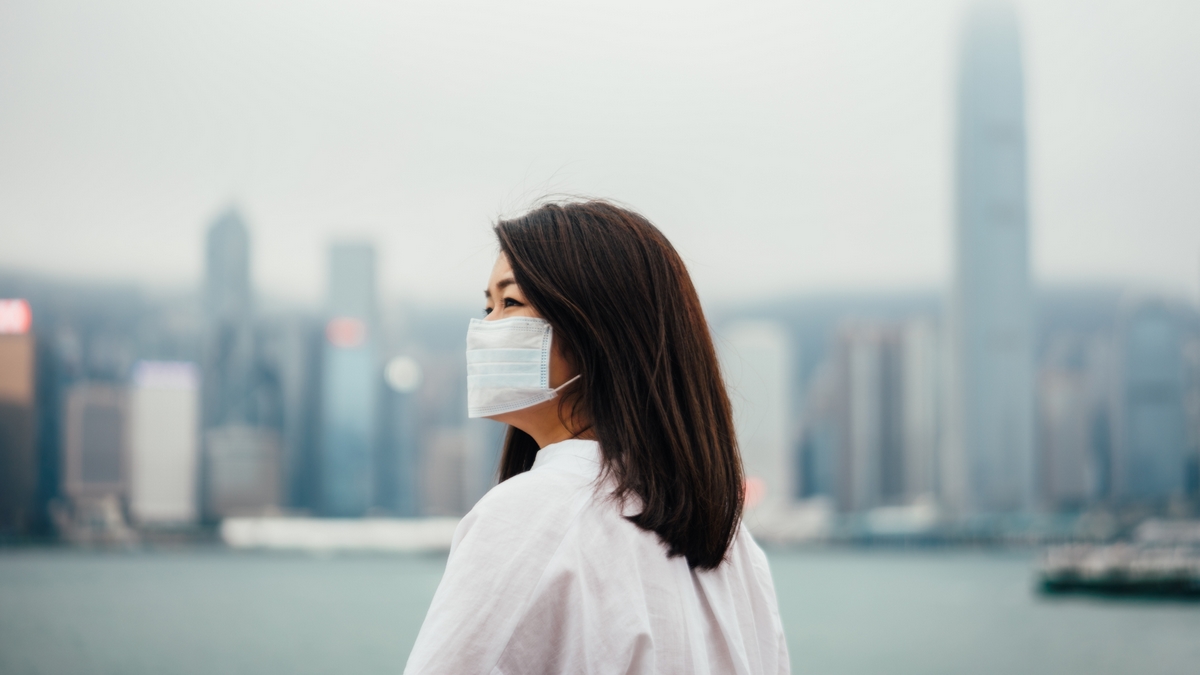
625	313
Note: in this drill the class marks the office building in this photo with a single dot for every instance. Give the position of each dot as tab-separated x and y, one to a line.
987	462
1150	460
288	355
351	379
18	457
481	465
1064	434
243	471
886	412
443	472
398	469
920	366
869	434
228	345
756	360
95	463
164	408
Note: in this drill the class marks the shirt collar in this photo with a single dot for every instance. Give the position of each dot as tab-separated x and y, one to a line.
573	455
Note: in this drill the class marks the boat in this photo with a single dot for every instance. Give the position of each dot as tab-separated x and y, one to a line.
1161	560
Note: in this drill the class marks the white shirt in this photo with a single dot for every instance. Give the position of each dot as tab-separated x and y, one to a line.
546	576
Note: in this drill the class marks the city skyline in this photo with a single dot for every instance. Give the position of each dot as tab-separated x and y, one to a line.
816	138
975	399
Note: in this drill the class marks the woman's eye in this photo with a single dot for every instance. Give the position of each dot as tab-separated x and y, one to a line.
487	310
509	302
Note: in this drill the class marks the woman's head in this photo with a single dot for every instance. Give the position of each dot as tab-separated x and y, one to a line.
627	320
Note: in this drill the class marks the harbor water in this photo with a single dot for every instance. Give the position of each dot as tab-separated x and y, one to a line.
206	611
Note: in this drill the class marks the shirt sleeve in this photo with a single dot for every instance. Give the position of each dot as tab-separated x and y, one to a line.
500	551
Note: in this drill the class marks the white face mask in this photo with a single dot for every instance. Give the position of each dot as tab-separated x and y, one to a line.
508	365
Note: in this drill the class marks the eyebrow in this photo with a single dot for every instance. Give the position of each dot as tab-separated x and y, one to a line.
500	285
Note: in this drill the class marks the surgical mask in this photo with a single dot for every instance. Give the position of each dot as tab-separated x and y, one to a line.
508	365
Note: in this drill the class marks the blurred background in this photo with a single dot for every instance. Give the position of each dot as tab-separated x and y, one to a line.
950	252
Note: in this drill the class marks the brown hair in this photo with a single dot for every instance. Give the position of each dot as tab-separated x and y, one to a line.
625	313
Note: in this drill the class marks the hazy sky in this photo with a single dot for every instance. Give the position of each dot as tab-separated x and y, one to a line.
783	147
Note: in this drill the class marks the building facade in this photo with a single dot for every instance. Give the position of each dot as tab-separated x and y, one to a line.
18	450
96	462
757	363
164	454
351	380
1150	454
886	409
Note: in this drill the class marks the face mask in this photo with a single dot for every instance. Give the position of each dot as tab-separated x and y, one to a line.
508	365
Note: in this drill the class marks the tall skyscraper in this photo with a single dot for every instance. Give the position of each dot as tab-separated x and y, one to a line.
1150	460
350	384
988	462
229	332
228	377
756	362
886	412
18	459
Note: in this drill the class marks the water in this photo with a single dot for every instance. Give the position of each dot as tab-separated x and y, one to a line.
845	612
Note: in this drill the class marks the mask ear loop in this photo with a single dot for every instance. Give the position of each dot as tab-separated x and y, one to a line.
575	434
564	384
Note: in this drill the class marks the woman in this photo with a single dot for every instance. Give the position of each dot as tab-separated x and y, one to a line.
613	543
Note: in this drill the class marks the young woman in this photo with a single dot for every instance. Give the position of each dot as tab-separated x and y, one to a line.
613	543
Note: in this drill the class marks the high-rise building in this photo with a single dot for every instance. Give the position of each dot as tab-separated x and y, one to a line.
921	414
1074	397
244	471
869	387
485	441
756	360
228	368
1191	402
443	472
351	380
164	457
18	457
988	457
288	354
886	412
1150	453
95	464
398	474
817	470
1064	439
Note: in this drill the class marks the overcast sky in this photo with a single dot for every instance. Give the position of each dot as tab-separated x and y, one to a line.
783	147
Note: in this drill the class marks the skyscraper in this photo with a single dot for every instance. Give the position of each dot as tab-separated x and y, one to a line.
1064	425
162	443
1150	460
988	459
350	383
229	330
229	359
886	412
756	361
398	469
96	451
243	466
18	460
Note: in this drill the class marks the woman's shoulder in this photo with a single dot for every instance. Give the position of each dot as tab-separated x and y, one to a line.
500	553
535	505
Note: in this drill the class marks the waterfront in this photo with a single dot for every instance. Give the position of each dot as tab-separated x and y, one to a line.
846	612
